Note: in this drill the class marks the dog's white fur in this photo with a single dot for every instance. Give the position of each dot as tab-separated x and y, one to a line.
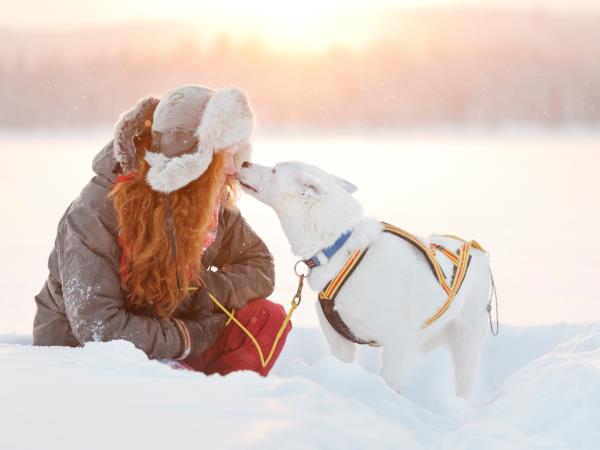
392	292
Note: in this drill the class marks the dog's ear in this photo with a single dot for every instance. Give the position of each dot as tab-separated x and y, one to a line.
312	188
344	184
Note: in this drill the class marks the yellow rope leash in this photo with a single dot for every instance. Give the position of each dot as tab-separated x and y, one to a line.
264	362
231	315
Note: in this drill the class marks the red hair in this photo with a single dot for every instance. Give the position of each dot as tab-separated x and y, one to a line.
148	270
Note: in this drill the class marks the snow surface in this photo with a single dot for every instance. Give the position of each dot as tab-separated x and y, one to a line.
539	389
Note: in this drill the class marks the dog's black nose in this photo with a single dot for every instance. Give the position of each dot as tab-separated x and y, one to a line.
246	164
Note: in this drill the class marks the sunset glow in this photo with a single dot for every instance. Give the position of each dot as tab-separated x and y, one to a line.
310	25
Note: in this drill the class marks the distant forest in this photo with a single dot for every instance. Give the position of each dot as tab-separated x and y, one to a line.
425	68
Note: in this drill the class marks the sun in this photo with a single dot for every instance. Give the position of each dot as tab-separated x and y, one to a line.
307	25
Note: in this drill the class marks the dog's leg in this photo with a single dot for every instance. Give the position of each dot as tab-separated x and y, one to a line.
340	348
465	347
397	360
467	333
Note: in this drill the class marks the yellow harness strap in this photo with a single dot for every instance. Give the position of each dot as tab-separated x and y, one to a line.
429	256
330	291
460	261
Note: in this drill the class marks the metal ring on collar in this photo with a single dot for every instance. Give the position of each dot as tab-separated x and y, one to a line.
301	274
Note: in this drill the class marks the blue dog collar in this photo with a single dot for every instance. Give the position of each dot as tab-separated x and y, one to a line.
324	255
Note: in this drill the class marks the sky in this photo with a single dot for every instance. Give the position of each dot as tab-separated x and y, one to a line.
60	14
304	25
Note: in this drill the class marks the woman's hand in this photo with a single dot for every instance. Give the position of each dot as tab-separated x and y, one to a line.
204	332
200	305
203	323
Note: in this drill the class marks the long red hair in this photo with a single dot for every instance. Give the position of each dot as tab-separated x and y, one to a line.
148	270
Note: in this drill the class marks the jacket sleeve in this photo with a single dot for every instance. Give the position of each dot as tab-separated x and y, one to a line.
94	302
244	264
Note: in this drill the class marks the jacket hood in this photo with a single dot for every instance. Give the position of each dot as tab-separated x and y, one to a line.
104	163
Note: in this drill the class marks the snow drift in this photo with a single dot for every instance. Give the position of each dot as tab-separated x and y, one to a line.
539	388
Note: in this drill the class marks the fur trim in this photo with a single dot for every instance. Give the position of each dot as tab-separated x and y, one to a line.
227	120
130	124
169	174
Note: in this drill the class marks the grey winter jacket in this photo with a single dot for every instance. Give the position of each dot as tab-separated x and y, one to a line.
82	299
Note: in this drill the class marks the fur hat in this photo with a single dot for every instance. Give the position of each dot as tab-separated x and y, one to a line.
188	126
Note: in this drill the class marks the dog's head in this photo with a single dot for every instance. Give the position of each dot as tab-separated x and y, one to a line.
314	207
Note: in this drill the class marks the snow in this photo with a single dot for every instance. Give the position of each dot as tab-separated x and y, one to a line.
539	386
539	389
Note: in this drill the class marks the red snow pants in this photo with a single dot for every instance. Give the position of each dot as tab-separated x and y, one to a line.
234	350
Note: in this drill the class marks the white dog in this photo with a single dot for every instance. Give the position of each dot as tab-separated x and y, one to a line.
392	292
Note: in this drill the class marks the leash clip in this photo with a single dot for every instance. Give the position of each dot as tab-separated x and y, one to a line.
298	297
299	274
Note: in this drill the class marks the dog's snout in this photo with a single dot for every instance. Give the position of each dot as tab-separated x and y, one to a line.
246	164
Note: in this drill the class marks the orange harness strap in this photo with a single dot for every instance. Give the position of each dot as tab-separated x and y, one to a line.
460	260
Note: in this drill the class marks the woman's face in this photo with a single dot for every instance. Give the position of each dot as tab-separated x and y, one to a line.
230	169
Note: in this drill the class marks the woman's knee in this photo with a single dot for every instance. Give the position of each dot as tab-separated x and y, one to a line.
274	310
264	317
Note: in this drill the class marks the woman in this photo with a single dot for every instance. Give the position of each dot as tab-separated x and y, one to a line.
156	229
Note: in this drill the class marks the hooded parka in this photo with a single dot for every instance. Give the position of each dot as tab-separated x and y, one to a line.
82	300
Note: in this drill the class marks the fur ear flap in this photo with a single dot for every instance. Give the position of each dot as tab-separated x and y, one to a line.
344	184
170	174
227	120
131	124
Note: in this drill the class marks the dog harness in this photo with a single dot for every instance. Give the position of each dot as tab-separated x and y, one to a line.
460	261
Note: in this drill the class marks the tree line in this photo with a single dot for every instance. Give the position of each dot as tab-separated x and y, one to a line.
452	68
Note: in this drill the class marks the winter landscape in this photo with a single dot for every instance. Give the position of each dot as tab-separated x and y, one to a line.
482	122
539	386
